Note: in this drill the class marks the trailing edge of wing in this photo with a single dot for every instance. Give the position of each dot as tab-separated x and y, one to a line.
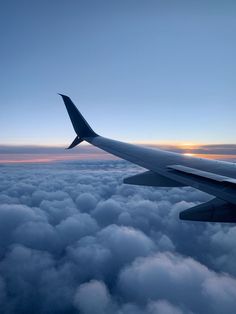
222	187
203	174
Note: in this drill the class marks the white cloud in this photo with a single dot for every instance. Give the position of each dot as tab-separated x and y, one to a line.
92	297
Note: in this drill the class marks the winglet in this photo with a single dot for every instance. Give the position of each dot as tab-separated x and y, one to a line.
80	125
76	142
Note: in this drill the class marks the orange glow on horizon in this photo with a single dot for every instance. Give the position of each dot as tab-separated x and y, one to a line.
169	143
28	158
216	156
34	153
18	158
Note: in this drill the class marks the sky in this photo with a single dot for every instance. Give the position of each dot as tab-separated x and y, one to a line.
159	73
140	71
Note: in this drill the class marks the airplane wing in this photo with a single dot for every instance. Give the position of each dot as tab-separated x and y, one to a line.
165	168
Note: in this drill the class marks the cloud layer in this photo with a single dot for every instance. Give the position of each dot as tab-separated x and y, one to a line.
74	239
31	153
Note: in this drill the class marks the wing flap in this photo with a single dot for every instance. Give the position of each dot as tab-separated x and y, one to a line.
204	174
215	210
220	186
150	178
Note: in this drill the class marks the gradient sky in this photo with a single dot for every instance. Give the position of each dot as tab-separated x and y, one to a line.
160	71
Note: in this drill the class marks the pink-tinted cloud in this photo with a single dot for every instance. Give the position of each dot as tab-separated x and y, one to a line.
39	154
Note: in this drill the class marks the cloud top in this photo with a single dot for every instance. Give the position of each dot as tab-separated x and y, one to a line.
75	239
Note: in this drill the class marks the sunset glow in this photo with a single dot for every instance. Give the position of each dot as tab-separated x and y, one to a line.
44	154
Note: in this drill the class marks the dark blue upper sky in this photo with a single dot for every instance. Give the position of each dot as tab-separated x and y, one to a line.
138	70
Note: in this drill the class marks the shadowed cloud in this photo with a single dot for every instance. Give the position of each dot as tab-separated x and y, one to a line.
74	239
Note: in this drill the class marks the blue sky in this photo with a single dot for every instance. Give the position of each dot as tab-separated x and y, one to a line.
158	71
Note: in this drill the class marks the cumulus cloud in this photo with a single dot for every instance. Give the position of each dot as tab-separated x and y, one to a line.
92	297
163	307
75	239
179	281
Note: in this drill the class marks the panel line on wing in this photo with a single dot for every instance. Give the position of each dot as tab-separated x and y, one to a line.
201	173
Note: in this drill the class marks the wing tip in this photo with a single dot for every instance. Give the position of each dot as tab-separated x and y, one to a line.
80	125
63	96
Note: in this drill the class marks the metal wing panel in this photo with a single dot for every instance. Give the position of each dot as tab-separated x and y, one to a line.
160	162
